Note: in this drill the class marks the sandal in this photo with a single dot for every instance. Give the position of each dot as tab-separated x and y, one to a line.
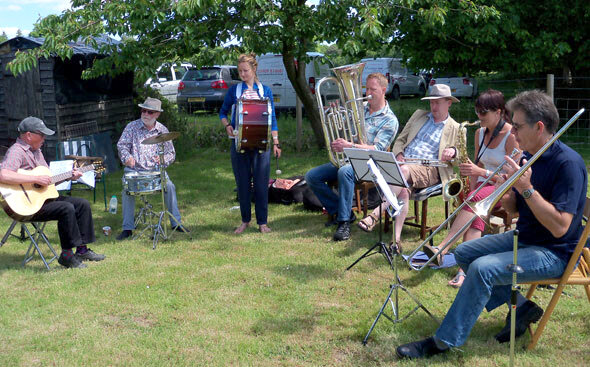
241	228
457	281
429	251
368	223
263	228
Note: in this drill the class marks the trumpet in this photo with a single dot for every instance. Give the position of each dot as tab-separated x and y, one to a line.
485	206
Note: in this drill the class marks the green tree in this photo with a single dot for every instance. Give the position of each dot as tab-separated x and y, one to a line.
206	31
3	37
527	36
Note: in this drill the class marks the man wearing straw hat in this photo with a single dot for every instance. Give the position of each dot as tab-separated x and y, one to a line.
549	197
429	135
139	157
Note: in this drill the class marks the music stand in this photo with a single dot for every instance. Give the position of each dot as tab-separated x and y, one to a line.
383	162
382	185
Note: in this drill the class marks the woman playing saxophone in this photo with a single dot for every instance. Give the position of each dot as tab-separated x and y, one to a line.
492	142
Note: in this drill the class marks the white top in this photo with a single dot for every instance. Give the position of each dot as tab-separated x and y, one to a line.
491	158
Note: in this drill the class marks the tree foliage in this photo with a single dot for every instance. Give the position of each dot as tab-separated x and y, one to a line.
206	31
527	36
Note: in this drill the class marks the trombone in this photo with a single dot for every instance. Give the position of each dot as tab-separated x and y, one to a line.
485	206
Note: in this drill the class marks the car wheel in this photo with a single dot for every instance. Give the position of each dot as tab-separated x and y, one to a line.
421	91
395	93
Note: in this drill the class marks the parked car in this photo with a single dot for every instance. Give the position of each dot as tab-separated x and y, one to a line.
461	86
167	78
205	88
401	80
271	72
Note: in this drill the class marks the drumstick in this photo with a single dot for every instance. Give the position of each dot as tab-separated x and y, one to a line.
278	171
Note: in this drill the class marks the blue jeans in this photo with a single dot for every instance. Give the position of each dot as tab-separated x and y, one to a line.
128	204
488	282
251	166
317	178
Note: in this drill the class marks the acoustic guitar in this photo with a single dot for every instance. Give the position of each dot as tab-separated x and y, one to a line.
22	201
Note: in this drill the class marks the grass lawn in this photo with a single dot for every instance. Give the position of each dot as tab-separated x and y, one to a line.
216	299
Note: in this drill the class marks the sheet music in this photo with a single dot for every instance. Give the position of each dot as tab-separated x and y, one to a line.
384	187
57	167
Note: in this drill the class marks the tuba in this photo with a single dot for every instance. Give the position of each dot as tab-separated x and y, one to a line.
347	119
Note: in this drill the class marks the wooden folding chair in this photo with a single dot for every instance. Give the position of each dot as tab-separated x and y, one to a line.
572	275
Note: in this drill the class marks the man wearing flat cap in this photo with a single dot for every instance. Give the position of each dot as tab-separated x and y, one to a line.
74	215
142	158
427	135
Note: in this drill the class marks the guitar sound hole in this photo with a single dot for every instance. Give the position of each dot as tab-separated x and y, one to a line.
37	186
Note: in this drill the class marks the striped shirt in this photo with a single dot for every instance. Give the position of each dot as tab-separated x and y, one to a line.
380	127
129	145
427	142
20	156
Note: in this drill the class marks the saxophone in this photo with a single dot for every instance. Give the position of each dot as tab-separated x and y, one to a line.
463	157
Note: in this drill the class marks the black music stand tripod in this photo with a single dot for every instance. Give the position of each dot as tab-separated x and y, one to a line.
359	159
394	252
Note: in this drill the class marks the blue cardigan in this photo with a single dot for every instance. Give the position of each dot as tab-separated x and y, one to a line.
230	100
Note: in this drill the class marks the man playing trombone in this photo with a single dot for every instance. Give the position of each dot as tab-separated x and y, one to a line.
549	198
381	126
428	136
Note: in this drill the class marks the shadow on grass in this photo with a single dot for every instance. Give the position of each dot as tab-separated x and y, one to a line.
283	325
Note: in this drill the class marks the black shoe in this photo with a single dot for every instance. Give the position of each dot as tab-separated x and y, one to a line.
182	229
71	262
125	234
343	232
333	220
90	255
420	349
528	313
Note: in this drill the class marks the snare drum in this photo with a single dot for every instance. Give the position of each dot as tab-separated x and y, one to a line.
140	183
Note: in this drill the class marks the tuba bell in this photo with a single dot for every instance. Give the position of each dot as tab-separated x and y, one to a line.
345	119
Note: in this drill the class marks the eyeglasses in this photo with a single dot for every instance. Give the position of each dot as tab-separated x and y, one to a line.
481	111
516	126
149	112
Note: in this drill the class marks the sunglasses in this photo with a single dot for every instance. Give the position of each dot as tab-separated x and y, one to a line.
481	111
149	112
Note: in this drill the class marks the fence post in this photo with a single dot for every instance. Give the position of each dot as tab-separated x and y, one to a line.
550	86
298	118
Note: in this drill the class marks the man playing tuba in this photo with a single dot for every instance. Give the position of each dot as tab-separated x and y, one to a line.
380	126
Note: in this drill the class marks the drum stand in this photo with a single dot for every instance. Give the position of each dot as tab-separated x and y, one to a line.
147	215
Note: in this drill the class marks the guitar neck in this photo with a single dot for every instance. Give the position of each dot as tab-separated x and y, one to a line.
67	175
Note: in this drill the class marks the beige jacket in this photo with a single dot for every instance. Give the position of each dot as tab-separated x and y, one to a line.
449	138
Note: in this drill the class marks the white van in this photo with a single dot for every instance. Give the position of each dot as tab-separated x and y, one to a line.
401	81
271	72
167	79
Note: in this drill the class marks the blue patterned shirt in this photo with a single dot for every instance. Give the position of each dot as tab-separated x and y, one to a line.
427	142
380	127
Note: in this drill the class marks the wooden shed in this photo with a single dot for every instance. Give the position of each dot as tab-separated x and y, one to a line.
55	92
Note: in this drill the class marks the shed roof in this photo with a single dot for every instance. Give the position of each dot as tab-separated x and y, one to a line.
22	42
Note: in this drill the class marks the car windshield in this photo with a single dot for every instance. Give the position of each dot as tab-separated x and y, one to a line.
202	74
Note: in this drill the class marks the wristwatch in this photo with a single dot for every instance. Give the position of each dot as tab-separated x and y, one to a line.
528	193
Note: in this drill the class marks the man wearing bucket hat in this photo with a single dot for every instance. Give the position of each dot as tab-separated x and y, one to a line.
74	215
427	135
140	158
